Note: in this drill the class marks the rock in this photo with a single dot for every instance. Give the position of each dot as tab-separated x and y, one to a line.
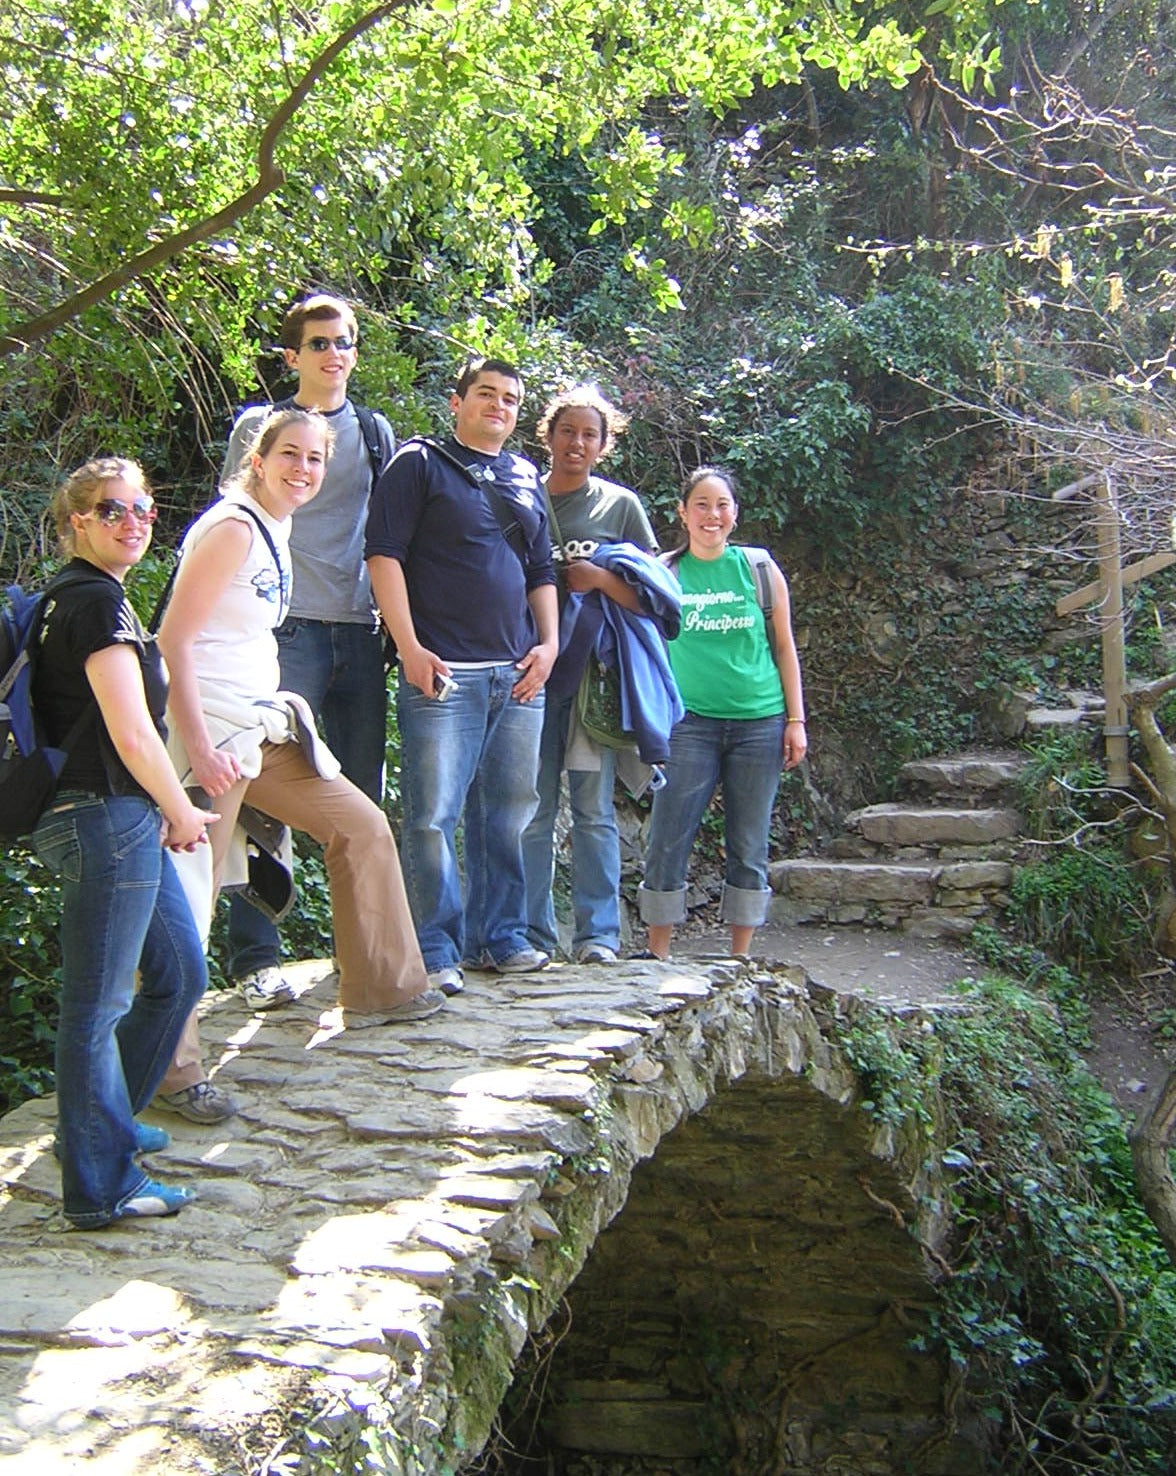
906	825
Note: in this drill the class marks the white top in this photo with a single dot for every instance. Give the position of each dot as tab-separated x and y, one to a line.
326	539
236	655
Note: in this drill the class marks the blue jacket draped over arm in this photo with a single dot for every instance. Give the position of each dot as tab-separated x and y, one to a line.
593	627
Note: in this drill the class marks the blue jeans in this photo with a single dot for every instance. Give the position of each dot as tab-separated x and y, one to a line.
475	756
122	909
339	668
596	846
746	756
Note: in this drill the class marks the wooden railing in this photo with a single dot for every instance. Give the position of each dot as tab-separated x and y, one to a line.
1107	594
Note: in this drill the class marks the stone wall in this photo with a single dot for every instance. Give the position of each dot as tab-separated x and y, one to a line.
752	1306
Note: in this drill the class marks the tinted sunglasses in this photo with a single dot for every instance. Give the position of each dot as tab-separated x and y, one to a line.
110	512
320	345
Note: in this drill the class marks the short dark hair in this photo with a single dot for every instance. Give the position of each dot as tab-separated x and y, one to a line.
613	422
316	308
474	367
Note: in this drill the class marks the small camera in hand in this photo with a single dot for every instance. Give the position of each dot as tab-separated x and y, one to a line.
443	686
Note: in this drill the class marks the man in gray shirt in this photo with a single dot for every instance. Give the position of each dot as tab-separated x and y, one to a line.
330	647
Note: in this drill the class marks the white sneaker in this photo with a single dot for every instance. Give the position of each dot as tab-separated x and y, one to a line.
525	961
449	981
265	989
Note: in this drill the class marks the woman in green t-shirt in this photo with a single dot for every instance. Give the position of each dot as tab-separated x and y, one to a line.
744	718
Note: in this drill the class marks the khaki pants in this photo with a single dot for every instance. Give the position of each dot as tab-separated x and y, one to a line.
380	964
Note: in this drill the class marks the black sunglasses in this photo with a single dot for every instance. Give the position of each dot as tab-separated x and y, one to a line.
320	345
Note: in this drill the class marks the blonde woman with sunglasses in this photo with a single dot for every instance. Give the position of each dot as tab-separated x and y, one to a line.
118	811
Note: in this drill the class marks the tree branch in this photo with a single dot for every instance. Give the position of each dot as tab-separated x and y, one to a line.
31	197
269	178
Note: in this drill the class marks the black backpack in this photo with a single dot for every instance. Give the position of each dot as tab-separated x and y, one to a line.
29	767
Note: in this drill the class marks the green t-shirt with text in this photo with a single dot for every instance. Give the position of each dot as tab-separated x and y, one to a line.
721	658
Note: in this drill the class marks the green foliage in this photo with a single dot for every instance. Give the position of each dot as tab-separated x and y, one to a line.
1081	898
1062	786
377	120
149	283
30	976
307	931
1058	1307
1084	904
892	1068
1040	973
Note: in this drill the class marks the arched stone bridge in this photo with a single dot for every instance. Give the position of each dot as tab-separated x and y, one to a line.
396	1209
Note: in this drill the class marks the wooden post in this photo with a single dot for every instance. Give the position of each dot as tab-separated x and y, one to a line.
1114	661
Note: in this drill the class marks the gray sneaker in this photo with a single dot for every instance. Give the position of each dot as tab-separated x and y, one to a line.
202	1102
525	961
419	1008
265	989
596	953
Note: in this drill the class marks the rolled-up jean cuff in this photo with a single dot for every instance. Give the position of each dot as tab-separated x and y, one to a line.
660	908
744	909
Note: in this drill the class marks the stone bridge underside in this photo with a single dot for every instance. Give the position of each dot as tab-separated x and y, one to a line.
660	1173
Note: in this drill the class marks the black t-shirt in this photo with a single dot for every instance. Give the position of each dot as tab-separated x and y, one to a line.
88	612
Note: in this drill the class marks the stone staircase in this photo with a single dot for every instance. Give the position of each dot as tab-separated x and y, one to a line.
932	865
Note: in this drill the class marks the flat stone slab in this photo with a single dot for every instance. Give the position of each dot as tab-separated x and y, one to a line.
812	879
970	772
1059	717
918	825
976	876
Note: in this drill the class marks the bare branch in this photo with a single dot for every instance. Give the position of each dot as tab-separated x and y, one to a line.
1083	43
1150	694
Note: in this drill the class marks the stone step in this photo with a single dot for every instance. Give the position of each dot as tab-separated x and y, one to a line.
970	775
1042	719
924	825
1076	707
811	877
932	899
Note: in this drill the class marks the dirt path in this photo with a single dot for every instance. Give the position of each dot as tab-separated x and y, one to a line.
1126	1055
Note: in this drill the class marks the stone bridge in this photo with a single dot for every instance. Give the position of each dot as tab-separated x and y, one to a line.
649	1194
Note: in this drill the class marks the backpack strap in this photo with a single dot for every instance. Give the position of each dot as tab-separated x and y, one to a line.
511	528
379	452
273	548
156	619
166	592
61	580
765	592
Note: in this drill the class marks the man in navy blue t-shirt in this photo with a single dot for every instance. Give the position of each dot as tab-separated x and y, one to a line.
461	569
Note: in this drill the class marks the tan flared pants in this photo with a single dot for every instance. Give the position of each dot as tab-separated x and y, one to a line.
380	963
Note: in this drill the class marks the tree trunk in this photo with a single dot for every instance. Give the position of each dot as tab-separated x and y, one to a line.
1151	1140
